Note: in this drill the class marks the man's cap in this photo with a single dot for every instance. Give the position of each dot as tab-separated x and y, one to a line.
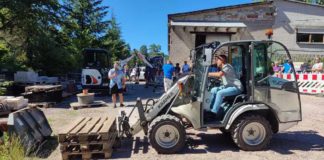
222	57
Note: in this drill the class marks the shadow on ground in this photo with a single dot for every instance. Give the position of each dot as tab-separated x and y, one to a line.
133	92
201	143
285	143
131	146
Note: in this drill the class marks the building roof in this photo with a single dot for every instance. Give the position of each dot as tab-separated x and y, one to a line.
220	8
209	24
238	6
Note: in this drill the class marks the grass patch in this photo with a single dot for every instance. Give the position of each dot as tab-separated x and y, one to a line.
50	121
11	149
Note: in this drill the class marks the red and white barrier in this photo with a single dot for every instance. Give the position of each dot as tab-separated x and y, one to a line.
312	83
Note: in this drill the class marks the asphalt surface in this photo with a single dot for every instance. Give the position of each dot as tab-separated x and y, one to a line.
303	141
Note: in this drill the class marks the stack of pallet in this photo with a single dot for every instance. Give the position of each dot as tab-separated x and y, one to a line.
14	103
89	138
43	93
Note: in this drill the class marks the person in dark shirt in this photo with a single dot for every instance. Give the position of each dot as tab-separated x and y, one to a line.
213	67
177	70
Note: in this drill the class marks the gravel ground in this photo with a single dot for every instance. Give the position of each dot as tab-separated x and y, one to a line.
304	141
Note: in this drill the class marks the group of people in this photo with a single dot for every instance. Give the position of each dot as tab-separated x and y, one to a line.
118	76
171	73
316	68
284	68
305	67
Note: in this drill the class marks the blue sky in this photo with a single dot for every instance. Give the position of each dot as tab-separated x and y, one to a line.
144	22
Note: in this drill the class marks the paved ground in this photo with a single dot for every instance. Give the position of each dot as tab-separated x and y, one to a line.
304	141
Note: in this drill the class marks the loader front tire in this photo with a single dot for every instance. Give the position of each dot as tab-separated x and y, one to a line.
167	135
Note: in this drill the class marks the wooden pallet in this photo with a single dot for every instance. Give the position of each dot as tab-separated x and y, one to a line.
87	137
86	155
42	104
76	105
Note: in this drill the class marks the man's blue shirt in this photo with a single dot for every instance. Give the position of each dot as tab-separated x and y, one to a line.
213	69
185	68
168	70
287	68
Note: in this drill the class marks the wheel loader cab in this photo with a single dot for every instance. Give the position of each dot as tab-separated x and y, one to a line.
251	61
237	56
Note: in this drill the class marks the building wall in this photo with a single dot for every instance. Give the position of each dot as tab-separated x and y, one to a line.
180	45
291	15
281	15
256	18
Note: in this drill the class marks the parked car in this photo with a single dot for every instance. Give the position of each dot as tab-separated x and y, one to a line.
142	72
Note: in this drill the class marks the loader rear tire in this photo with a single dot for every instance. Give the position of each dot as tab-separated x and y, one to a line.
251	132
167	135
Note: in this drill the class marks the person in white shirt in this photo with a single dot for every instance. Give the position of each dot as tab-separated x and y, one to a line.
318	66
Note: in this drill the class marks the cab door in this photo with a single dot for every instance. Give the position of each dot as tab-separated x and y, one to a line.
269	86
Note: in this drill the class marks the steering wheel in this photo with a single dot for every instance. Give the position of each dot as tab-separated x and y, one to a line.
213	82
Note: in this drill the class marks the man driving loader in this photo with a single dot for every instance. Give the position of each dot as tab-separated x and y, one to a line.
231	83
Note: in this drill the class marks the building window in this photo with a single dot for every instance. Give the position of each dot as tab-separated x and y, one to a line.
316	38
302	37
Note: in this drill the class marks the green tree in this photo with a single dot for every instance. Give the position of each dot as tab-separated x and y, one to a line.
143	49
84	22
154	48
23	24
113	43
84	26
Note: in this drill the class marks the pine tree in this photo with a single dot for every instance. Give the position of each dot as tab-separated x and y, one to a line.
113	43
85	22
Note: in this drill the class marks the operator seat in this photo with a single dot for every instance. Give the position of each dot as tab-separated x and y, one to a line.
240	97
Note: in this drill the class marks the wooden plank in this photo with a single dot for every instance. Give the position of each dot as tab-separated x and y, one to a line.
86	155
98	125
90	126
107	125
72	126
80	126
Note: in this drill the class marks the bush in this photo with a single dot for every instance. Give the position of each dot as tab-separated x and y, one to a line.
3	87
11	149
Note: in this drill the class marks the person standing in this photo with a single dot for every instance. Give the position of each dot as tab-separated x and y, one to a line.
168	71
276	68
138	72
286	67
147	75
126	72
177	70
117	83
185	68
318	66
